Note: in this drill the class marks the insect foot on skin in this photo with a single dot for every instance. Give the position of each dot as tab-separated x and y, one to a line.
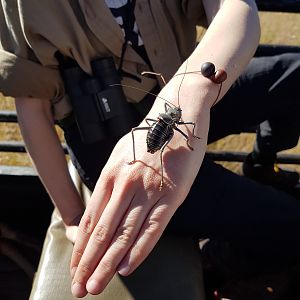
161	130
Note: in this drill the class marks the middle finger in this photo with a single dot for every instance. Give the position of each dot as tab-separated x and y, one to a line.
124	237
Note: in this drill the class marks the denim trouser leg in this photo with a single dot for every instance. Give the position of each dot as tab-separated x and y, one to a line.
267	94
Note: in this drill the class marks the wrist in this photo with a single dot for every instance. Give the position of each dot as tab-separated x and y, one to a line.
73	220
72	211
76	220
195	95
207	80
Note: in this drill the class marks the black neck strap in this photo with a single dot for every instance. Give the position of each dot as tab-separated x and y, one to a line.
130	25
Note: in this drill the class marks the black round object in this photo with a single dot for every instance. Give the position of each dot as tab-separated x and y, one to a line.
208	69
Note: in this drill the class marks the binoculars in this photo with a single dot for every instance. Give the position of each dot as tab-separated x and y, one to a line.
98	101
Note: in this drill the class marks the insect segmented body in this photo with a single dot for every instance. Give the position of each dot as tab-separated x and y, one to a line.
162	130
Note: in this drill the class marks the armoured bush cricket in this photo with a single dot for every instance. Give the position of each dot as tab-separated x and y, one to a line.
161	130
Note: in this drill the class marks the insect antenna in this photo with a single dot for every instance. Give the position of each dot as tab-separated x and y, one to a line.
181	82
146	92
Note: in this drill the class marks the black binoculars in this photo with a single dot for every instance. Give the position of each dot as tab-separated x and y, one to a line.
98	101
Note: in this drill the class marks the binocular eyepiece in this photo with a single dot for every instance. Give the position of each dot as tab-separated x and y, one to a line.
98	101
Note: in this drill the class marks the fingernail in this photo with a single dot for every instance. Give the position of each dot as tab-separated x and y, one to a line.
73	271
92	286
77	290
123	270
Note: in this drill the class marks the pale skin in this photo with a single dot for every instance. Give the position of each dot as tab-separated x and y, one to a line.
127	212
37	126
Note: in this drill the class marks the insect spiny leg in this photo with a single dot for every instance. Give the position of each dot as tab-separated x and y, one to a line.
133	145
189	146
162	171
186	138
161	162
194	125
155	74
133	141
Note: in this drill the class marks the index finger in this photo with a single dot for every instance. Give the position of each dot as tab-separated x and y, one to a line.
99	199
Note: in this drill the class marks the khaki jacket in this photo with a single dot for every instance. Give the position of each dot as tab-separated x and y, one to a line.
32	31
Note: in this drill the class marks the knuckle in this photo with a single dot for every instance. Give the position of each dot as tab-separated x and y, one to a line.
83	273
77	253
107	266
87	224
153	226
101	235
125	234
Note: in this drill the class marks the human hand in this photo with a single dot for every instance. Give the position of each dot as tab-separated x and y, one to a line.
127	212
71	233
72	228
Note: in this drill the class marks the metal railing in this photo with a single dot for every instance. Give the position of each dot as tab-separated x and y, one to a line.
291	6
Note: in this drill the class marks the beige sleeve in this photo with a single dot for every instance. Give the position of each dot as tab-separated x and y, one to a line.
21	73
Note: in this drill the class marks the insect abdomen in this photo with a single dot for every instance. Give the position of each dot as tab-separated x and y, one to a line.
157	135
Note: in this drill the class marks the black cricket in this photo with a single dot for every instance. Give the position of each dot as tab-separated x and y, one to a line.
161	132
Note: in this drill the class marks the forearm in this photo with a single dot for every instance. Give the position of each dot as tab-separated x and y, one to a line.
232	37
229	43
43	145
